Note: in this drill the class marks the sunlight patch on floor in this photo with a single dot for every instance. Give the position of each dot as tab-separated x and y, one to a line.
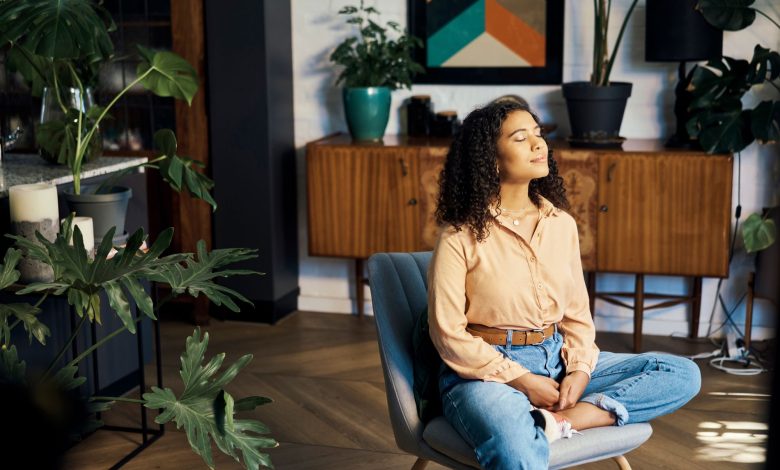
732	441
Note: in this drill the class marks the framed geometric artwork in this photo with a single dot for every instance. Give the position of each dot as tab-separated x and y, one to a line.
481	42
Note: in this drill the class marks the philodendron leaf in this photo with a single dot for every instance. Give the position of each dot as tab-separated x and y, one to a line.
194	409
12	369
758	233
66	379
169	74
26	313
8	272
82	279
729	15
196	276
180	171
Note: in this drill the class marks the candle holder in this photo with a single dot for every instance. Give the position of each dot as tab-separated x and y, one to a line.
34	208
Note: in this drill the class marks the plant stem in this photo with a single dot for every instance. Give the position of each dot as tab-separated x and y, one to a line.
766	16
103	340
65	346
57	91
118	174
128	400
79	143
88	136
617	43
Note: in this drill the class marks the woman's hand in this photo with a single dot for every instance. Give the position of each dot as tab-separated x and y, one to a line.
542	392
571	389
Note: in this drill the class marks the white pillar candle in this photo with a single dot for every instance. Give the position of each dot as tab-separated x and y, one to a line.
87	232
34	208
33	202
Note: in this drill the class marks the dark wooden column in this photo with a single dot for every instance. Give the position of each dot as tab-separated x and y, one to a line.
191	217
250	92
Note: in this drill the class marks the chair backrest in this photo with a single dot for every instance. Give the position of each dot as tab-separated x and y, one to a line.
399	294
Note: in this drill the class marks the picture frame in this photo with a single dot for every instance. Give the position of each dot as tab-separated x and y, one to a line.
488	42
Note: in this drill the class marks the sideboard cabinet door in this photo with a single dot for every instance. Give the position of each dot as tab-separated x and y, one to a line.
348	192
664	213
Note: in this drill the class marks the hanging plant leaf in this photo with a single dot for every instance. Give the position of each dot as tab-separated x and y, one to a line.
765	122
722	132
765	65
728	15
12	369
758	233
170	74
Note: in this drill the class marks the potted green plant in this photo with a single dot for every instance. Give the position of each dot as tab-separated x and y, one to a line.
58	42
374	65
596	107
718	119
205	409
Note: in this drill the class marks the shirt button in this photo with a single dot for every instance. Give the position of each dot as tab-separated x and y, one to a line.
533	260
539	286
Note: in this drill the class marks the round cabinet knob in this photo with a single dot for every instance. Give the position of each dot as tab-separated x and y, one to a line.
413	202
603	208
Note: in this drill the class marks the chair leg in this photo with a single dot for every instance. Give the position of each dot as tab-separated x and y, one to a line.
622	462
420	464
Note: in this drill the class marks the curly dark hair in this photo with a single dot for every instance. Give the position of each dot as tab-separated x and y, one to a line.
469	183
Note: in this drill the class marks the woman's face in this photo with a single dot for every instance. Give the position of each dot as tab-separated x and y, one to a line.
522	152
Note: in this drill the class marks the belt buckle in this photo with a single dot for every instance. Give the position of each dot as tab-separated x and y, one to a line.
540	331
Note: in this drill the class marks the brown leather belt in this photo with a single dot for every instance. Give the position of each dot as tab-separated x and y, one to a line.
497	336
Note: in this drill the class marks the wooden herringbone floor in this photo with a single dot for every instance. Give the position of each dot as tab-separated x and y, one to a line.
329	411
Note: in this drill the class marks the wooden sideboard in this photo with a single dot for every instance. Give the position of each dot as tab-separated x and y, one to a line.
642	209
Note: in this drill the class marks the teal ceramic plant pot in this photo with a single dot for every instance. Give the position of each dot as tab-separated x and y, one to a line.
367	111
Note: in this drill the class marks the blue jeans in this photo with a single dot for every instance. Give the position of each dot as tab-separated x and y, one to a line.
494	418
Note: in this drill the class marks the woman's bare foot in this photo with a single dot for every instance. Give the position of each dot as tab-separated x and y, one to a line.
585	416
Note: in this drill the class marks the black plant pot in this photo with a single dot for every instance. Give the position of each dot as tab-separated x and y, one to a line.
596	112
107	209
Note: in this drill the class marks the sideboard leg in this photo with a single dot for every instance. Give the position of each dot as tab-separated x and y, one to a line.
590	281
359	286
695	307
639	306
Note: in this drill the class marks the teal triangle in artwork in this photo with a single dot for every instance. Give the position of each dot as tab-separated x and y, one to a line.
456	34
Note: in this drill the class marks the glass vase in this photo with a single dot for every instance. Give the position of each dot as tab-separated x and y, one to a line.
52	109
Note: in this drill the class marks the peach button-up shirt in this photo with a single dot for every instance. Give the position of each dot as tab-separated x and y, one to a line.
509	282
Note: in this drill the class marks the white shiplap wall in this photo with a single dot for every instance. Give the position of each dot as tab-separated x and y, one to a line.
326	284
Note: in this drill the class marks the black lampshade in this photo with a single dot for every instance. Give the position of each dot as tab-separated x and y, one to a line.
676	32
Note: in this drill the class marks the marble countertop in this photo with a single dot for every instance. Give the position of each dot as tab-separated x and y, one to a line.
24	169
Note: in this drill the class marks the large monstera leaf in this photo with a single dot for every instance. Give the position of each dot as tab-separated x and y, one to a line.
729	15
25	313
57	29
168	74
195	410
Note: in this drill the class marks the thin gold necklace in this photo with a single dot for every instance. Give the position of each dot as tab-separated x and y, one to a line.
520	212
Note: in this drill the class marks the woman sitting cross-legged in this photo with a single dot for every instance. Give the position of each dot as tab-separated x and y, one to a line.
509	311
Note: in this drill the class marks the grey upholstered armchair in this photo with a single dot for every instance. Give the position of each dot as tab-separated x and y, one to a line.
399	293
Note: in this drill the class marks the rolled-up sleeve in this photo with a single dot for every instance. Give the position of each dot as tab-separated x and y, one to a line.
579	351
469	356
